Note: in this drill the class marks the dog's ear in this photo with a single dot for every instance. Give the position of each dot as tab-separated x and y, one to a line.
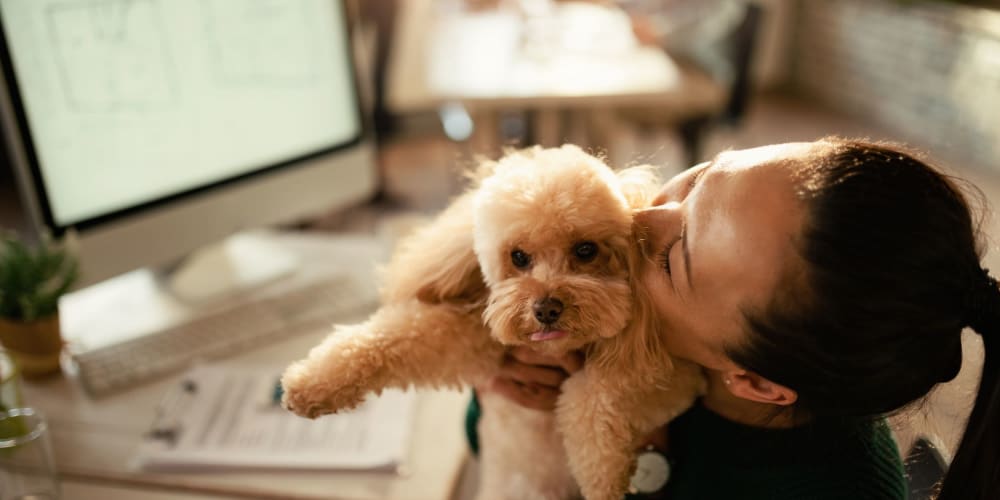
639	185
437	264
457	282
641	343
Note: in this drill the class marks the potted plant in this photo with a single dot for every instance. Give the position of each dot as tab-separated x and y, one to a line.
32	278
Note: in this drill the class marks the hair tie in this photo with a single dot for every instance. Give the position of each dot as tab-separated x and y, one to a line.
980	300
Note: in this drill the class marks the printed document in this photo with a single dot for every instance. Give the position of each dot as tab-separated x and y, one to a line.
225	417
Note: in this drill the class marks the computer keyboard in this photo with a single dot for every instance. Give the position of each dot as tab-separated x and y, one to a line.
246	325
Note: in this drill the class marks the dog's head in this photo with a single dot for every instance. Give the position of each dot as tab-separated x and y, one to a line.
552	233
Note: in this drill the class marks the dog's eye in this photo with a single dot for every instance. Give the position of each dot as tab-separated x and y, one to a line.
585	251
520	259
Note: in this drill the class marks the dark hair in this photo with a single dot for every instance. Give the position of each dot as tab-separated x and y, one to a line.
872	317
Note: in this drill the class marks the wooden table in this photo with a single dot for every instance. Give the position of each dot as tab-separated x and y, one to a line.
572	66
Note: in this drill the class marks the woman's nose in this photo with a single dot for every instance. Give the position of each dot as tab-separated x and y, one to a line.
657	215
662	196
654	225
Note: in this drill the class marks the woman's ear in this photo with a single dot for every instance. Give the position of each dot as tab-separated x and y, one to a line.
749	385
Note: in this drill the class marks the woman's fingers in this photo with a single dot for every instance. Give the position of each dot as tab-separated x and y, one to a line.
529	357
532	396
531	379
571	362
532	374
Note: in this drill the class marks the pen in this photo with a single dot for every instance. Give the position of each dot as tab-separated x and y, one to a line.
276	393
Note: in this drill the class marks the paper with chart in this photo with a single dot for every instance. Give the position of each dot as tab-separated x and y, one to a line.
222	417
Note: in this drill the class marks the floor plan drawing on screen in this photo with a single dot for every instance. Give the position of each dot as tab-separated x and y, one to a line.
262	42
111	55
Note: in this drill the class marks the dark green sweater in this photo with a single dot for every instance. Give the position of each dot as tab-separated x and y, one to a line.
714	458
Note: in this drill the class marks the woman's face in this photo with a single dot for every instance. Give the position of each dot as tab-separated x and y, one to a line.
719	238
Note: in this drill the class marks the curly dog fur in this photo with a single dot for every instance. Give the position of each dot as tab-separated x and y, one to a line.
540	251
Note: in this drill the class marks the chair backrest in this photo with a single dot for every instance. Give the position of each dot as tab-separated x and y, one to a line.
740	47
925	467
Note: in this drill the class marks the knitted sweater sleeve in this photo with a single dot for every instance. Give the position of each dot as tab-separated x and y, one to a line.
874	473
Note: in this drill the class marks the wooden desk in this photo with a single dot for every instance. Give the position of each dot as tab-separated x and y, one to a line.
95	440
76	490
443	54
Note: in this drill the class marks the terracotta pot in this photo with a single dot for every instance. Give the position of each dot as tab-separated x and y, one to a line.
34	345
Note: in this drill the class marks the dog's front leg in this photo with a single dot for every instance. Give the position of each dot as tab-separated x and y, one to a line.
603	415
599	435
403	344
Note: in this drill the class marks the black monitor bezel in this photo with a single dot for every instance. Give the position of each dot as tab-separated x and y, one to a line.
34	167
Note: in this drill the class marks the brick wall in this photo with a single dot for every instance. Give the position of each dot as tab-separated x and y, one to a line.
926	70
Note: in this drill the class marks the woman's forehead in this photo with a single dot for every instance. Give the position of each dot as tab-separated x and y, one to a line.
743	232
748	158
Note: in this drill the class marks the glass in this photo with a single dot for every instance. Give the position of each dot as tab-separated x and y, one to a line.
10	383
27	470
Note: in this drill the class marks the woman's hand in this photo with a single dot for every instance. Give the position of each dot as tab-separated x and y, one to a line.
531	379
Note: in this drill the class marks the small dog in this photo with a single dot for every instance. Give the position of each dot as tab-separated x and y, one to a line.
540	252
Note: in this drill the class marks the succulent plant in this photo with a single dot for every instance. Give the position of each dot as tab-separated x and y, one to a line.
32	278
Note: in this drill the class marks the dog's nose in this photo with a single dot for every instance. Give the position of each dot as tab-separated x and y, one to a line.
547	310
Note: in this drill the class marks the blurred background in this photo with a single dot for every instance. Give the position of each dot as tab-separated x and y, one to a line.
455	79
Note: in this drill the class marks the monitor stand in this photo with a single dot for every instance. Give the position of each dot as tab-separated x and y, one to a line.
240	263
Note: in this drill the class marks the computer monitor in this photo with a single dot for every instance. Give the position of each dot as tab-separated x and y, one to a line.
142	130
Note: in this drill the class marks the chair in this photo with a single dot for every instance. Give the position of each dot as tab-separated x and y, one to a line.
737	49
925	467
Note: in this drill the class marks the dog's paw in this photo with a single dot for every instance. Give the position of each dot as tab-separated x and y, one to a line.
299	394
302	406
306	396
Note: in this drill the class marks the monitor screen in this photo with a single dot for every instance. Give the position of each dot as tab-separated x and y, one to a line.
129	103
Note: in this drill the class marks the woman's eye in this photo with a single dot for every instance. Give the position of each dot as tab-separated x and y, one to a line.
697	177
664	257
585	251
520	259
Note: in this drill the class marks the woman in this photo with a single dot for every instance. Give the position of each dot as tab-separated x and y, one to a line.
822	286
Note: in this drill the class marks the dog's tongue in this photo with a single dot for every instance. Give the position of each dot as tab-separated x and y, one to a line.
548	335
